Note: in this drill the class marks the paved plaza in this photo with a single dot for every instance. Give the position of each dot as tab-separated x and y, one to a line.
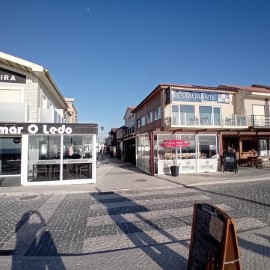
129	220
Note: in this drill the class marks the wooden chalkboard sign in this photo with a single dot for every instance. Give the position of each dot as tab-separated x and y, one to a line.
214	244
229	162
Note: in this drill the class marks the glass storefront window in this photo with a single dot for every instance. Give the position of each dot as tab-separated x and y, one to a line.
77	154
46	155
207	146
143	146
188	152
185	156
207	160
10	156
164	152
263	147
249	145
44	158
199	156
77	146
143	153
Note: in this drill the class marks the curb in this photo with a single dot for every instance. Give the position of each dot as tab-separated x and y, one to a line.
228	182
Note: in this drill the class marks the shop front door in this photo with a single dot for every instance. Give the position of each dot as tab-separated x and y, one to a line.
10	155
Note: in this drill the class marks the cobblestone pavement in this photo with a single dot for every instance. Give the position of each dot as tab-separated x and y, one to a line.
146	228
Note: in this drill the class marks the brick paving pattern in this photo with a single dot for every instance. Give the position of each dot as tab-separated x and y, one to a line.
127	229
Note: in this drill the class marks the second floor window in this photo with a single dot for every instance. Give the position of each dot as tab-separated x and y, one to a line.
183	115
143	121
139	123
149	117
157	114
210	115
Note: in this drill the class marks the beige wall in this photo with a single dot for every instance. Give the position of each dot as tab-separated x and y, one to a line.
226	109
254	101
239	102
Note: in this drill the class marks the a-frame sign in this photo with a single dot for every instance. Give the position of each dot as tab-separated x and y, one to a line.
214	244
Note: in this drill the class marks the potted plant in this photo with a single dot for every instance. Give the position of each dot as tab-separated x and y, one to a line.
174	144
175	167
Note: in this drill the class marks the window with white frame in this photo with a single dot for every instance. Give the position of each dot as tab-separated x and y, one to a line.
210	115
139	123
143	121
187	115
149	117
44	102
183	115
157	113
175	115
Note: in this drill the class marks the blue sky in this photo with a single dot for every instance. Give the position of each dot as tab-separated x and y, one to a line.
110	54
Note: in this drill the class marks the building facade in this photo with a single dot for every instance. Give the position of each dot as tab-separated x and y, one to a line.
111	141
129	151
72	111
191	126
38	145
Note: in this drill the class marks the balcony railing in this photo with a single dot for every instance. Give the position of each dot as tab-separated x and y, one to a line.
13	112
188	120
259	120
51	115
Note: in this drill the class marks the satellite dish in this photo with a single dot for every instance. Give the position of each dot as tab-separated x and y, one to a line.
101	128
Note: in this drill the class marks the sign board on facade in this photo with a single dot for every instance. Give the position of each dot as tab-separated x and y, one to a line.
175	143
11	76
193	96
213	241
47	129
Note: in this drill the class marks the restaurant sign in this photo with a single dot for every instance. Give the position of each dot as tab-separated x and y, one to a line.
11	76
35	129
192	96
48	128
175	143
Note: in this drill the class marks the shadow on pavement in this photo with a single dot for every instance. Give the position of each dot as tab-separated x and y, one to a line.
160	253
30	237
254	247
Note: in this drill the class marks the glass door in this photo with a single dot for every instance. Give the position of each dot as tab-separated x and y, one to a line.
205	115
259	115
77	157
10	155
187	115
217	116
263	147
44	158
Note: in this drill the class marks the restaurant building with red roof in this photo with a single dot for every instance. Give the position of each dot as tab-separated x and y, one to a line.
207	121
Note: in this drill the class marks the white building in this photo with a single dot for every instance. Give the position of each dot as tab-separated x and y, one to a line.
38	145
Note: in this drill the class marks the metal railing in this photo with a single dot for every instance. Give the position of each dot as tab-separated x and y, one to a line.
259	120
234	120
188	120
